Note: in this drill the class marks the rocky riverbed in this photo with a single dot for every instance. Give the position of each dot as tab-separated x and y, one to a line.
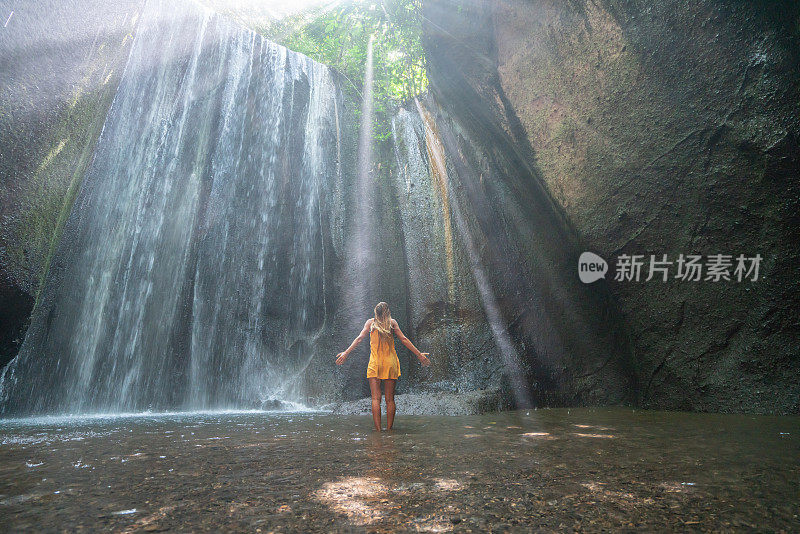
556	469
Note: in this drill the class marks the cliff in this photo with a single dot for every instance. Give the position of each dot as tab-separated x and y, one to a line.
667	128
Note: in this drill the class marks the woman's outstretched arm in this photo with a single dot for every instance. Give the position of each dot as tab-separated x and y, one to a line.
342	356
423	356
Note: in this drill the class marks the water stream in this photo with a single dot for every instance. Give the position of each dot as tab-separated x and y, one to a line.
191	274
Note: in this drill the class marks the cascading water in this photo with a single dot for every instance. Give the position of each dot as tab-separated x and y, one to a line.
191	273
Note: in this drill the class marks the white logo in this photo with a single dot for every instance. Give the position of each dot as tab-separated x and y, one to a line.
591	267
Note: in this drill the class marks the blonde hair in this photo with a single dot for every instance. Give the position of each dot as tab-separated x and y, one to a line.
383	319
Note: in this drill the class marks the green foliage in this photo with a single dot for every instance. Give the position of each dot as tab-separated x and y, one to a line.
338	36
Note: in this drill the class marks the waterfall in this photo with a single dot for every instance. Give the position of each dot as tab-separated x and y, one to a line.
191	272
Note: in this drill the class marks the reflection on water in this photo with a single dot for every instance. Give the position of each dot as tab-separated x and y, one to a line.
551	469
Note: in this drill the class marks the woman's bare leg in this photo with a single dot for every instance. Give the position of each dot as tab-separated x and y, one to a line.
375	389
389	387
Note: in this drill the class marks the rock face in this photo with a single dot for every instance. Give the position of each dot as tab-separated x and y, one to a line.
491	269
658	129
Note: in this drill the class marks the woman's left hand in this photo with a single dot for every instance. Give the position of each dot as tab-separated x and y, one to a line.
340	358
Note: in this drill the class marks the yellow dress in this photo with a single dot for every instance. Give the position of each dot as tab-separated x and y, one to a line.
383	361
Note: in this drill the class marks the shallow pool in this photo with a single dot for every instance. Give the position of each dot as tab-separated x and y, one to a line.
553	469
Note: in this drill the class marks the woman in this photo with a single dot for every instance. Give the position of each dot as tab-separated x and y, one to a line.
383	363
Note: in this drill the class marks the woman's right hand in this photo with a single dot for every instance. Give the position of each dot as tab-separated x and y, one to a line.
340	358
423	359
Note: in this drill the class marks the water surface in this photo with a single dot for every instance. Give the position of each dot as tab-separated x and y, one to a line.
554	469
